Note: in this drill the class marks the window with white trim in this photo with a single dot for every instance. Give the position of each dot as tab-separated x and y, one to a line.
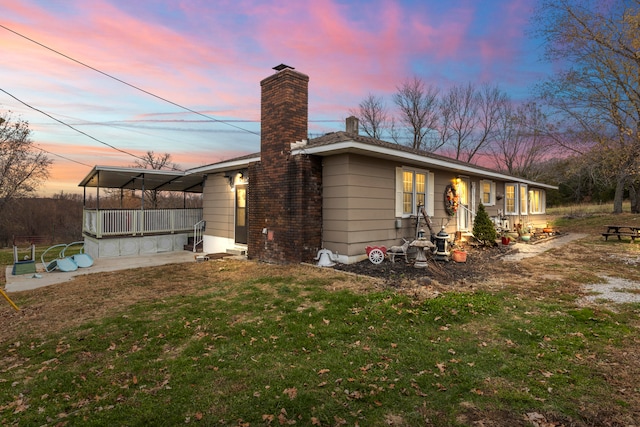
516	199
537	201
511	199
524	199
487	192
413	187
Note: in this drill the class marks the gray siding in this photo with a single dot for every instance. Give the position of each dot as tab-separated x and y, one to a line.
359	200
358	204
218	207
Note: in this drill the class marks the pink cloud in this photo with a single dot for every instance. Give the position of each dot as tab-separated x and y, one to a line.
211	56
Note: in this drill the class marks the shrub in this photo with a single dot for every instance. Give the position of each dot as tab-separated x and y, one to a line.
483	228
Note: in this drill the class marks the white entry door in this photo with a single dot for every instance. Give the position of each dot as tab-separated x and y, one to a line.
464	210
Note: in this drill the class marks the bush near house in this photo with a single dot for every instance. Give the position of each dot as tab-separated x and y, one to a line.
483	228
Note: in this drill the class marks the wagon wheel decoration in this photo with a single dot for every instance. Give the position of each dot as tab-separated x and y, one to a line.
376	256
451	200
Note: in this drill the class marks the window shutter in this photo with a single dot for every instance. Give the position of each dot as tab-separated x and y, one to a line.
493	193
399	193
430	195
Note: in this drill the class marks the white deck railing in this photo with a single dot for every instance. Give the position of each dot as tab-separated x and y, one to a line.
136	222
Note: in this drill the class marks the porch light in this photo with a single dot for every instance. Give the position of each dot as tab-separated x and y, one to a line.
234	177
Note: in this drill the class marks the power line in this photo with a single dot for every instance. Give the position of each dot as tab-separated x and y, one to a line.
71	127
125	83
62	157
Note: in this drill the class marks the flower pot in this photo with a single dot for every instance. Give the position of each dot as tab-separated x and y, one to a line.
459	256
506	240
525	237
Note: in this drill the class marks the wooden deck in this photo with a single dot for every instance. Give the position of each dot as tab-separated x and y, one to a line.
137	222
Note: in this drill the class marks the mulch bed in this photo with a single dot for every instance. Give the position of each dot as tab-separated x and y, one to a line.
480	261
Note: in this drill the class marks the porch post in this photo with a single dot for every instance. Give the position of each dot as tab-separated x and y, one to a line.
98	215
142	221
98	191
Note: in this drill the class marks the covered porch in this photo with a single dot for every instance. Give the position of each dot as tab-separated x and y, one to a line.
112	224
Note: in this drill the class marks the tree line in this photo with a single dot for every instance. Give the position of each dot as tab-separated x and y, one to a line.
25	218
580	130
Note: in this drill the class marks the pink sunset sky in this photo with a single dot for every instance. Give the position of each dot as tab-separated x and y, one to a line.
210	57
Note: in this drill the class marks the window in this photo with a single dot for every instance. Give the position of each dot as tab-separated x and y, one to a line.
537	201
510	199
488	193
414	187
519	201
524	203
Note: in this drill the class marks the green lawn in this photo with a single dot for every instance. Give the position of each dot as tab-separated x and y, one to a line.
279	350
245	344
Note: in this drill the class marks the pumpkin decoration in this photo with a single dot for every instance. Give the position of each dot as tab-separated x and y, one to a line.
451	200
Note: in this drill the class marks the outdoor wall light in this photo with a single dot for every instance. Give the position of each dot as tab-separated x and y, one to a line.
232	176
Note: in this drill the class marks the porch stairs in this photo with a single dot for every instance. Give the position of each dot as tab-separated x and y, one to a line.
190	247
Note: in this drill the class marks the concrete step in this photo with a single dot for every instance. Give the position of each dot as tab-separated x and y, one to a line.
237	251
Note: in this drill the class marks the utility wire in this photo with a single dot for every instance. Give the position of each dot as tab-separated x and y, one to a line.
128	84
62	157
71	127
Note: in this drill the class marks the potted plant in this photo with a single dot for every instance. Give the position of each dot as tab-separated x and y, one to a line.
506	238
459	255
524	232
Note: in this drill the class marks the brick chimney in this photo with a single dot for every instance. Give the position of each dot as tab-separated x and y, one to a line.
284	111
285	191
353	125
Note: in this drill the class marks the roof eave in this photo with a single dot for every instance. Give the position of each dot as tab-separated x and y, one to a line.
225	165
390	153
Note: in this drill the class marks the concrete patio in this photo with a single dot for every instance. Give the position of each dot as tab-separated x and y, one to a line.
27	282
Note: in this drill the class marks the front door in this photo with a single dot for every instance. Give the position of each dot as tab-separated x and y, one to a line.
464	210
241	214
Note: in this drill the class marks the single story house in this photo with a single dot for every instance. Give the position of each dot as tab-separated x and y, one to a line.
342	191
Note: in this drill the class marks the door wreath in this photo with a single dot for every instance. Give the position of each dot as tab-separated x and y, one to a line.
450	200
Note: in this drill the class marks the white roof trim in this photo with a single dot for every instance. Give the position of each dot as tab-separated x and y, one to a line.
386	152
225	165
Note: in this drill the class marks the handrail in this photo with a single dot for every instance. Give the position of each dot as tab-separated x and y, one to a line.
198	233
473	214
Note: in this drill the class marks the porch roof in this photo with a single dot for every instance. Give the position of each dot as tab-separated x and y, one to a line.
147	179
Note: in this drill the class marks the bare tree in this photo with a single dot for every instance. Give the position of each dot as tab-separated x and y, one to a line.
459	109
23	168
418	113
600	93
152	160
372	115
521	144
470	118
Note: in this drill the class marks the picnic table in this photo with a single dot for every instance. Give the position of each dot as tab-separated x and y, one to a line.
632	231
